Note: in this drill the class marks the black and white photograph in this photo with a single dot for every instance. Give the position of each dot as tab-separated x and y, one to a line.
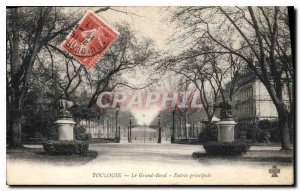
150	95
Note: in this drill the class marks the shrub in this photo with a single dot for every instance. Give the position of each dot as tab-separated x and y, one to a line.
209	133
263	133
61	147
79	133
82	136
79	129
39	120
240	131
43	120
265	125
275	133
116	140
262	136
226	148
252	129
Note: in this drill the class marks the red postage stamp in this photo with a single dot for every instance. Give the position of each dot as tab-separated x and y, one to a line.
89	40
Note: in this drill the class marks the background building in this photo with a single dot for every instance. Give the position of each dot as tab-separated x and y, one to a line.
251	100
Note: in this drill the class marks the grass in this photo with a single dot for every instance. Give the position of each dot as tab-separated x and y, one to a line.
267	156
38	155
195	141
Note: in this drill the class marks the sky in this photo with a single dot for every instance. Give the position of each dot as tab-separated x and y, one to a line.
147	22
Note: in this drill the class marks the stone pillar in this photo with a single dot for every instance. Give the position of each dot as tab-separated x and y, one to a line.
226	130
65	128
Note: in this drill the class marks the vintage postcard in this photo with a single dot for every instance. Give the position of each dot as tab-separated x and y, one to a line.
191	95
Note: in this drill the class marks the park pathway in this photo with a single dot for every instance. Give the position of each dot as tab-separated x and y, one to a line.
146	153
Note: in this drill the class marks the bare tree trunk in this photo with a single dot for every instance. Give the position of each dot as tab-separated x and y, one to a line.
175	129
14	134
291	124
180	127
193	130
186	128
291	119
15	129
283	126
107	129
15	115
103	127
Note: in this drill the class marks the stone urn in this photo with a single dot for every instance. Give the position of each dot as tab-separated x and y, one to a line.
226	124
65	124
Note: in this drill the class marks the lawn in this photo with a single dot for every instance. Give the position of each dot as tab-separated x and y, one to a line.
38	155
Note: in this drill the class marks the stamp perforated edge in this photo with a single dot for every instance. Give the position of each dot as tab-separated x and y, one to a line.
100	54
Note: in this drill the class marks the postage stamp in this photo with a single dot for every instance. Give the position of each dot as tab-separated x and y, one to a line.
89	40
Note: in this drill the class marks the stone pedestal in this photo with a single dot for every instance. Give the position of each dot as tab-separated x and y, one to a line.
226	130
65	128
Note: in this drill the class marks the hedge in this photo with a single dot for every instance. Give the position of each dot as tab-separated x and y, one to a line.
61	147
209	133
226	148
261	132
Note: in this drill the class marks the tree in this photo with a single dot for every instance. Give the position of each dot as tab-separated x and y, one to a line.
67	77
127	53
259	36
208	73
28	31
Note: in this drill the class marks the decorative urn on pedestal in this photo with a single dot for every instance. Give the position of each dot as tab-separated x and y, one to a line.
65	145
65	124
226	145
226	124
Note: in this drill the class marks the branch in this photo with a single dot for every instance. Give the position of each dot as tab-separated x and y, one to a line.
72	25
241	33
125	12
